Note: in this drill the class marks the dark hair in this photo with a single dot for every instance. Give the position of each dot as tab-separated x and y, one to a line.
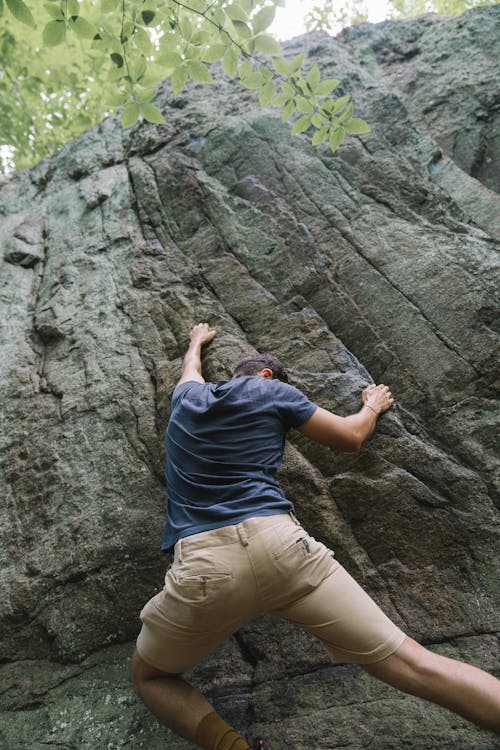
256	362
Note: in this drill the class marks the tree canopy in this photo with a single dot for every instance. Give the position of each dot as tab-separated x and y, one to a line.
66	64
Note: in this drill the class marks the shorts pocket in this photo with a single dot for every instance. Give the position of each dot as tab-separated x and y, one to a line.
290	540
303	561
199	578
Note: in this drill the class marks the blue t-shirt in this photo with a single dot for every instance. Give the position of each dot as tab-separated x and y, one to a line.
225	442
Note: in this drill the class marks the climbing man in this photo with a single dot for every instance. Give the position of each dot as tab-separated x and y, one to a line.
239	551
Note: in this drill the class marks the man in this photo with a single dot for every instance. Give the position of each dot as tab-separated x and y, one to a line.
239	552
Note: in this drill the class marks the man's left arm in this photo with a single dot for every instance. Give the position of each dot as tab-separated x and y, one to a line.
200	335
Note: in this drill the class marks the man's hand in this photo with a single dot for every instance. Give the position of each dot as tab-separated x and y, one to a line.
349	433
202	334
191	365
377	397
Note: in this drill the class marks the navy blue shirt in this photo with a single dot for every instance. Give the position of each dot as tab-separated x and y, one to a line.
225	442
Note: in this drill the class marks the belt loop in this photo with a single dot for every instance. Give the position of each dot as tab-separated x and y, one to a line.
242	534
180	550
294	518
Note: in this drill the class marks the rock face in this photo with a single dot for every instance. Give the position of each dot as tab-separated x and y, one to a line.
376	263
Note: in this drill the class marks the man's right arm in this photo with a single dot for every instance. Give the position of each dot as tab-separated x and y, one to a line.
349	433
200	335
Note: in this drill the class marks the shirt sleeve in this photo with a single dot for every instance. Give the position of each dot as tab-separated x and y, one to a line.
182	389
293	407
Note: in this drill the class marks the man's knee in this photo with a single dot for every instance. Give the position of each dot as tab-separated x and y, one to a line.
142	673
408	668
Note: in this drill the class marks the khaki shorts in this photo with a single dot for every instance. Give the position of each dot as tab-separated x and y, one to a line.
268	564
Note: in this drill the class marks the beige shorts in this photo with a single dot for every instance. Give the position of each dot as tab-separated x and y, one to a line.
221	579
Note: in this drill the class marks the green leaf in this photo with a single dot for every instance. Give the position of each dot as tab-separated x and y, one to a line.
280	99
198	71
219	17
1	7
73	8
115	73
170	60
142	41
303	105
21	12
230	61
201	36
263	19
127	31
281	66
107	6
296	63
236	13
54	33
266	93
115	98
320	135
179	78
148	16
347	114
84	28
117	59
314	77
326	86
318	120
302	124
245	69
336	137
152	113
267	44
130	114
54	11
137	67
266	74
153	75
253	81
339	104
243	29
288	110
199	6
357	126
213	53
303	86
248	47
186	28
145	95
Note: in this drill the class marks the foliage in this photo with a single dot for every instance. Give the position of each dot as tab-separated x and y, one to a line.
331	15
409	8
45	98
334	15
65	64
90	57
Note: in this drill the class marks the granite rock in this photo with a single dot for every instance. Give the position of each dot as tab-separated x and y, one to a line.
376	263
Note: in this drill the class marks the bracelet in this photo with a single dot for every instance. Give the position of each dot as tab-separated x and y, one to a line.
373	410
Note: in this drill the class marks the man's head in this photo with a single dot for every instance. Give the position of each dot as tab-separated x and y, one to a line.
264	365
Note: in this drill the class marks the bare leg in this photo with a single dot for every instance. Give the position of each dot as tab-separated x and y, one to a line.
175	702
464	689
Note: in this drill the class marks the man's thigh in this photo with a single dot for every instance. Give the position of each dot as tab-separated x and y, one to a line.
208	594
345	619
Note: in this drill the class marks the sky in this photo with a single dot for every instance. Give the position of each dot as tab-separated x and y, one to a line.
289	21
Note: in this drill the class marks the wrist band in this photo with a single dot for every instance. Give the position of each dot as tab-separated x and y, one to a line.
373	410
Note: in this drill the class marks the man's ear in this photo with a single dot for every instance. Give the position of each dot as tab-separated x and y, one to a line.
266	373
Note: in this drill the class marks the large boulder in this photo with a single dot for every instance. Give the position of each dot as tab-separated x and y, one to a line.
376	263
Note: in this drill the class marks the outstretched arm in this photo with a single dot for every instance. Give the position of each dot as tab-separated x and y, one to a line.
191	365
349	433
